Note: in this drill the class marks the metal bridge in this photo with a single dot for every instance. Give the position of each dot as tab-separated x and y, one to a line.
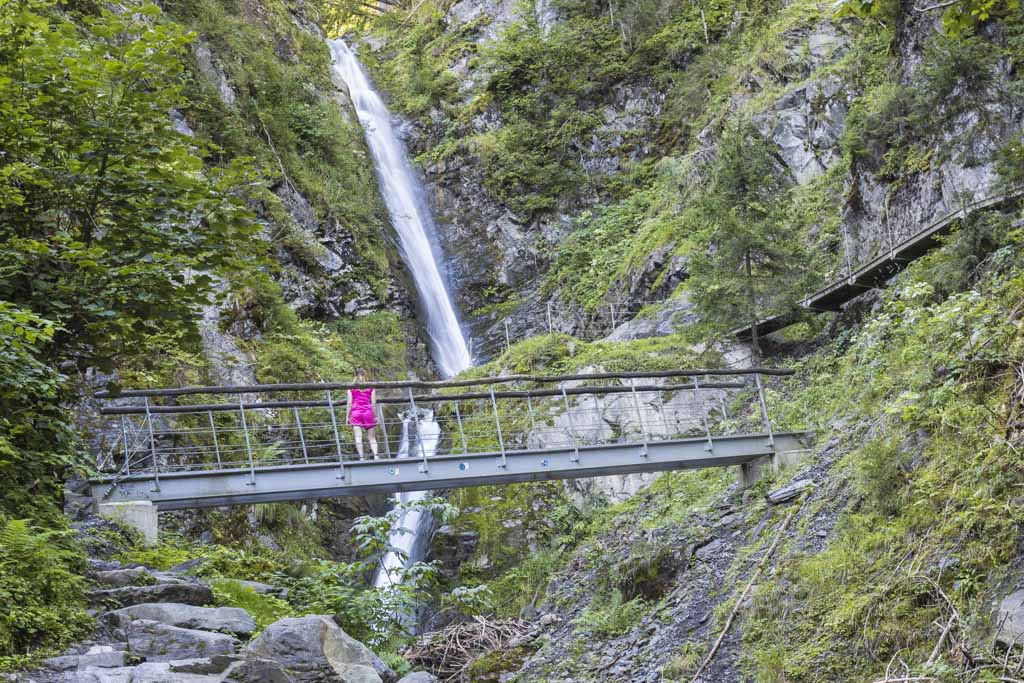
877	271
200	447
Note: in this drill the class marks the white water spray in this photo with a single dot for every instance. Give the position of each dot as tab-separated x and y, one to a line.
404	198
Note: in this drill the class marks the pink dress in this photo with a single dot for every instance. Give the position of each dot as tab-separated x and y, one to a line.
361	412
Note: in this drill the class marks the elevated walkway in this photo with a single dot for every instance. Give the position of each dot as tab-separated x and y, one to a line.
190	448
879	270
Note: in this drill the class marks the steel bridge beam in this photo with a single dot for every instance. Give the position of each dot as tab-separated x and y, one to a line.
215	488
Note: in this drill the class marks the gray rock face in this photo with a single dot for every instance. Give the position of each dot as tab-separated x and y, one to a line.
1010	619
149	672
224	619
256	670
161	643
314	649
184	593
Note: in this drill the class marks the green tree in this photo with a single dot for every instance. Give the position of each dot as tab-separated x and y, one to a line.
112	225
748	266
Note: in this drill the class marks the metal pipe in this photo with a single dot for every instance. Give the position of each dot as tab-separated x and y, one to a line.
529	409
572	428
462	433
497	424
426	398
337	437
216	444
302	436
248	444
446	384
508	339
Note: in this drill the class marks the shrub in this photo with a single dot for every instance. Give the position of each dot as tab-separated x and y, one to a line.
265	609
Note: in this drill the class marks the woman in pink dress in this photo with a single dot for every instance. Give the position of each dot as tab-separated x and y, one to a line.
362	413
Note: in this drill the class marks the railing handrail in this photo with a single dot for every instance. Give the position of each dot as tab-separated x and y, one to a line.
423	398
441	384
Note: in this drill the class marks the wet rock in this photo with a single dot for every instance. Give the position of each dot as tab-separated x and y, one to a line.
204	665
314	648
184	593
160	642
224	619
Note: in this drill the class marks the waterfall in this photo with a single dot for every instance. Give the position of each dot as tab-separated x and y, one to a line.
406	204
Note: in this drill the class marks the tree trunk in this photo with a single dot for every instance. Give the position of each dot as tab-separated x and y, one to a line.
755	343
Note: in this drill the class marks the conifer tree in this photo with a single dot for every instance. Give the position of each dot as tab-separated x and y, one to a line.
749	261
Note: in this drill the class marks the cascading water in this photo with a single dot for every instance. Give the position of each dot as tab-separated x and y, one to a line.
414	225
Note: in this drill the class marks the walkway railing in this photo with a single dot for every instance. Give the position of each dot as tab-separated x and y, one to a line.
248	429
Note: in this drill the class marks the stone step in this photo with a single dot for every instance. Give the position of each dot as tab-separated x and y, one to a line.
183	593
158	642
224	619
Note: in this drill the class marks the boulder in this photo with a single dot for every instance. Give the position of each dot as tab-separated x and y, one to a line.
420	677
256	670
204	665
161	643
1010	619
314	649
184	593
119	578
224	619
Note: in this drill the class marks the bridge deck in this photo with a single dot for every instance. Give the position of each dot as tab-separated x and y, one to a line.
213	488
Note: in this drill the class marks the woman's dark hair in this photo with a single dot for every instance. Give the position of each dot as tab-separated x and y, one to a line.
362	375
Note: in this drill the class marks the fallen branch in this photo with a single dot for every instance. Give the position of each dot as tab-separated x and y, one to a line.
746	589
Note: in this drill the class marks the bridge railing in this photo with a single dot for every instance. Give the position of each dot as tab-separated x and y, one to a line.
249	427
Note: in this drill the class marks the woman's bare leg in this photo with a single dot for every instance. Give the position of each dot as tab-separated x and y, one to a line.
357	433
371	434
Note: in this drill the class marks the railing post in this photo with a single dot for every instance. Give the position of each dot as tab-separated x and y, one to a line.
424	465
337	437
529	409
664	418
152	448
611	307
216	443
462	433
508	339
704	415
551	327
572	426
302	435
384	430
764	410
248	443
497	424
640	416
846	253
124	438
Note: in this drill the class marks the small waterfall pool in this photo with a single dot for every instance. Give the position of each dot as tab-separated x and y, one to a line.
406	203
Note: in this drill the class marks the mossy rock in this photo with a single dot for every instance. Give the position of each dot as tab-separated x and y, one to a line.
649	573
488	667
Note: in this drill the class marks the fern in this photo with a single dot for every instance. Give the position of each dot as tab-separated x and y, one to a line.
42	591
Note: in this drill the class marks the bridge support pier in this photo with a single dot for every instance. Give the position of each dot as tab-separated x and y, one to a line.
752	472
140	515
